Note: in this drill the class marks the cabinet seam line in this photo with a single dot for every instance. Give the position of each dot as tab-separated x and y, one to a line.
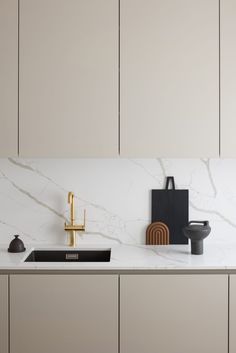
119	77
219	80
119	314
228	338
9	326
18	83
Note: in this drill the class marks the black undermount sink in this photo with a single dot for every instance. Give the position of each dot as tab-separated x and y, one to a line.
82	255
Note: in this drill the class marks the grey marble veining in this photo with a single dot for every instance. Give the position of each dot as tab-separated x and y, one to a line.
116	194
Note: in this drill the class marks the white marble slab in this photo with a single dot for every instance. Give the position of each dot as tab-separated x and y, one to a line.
133	257
116	194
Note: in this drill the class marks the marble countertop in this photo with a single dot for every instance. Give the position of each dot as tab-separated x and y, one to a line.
131	257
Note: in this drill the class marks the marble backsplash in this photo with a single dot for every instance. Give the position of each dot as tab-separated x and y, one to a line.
115	193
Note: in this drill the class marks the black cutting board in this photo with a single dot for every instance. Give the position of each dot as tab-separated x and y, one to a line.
172	208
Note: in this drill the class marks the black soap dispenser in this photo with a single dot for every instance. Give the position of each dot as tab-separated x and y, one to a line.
16	245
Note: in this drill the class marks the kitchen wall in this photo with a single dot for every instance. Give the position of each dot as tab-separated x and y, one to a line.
115	193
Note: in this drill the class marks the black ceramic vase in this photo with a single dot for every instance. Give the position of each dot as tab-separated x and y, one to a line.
196	231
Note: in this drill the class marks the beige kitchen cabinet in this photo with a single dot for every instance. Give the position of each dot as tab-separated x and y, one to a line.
61	313
169	61
68	78
232	314
228	77
8	78
3	313
174	313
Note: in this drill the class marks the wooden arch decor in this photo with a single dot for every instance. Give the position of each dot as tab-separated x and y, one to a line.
157	234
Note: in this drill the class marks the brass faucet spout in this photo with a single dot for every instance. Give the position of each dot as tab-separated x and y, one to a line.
70	197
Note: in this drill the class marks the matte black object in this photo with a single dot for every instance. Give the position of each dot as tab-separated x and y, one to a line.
171	207
69	256
16	245
197	231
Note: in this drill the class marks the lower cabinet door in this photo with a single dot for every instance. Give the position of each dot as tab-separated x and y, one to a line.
174	314
232	314
3	313
64	313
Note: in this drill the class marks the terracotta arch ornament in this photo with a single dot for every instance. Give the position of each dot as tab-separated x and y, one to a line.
157	233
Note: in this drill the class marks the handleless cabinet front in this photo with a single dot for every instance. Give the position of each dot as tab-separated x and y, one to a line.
169	78
64	313
232	314
8	78
174	313
4	314
68	83
228	78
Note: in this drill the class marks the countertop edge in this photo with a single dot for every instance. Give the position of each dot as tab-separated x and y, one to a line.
119	271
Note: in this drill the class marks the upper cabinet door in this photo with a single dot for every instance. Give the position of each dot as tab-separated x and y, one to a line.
228	78
68	78
8	77
169	78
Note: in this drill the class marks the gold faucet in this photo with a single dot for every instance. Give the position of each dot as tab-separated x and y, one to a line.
72	227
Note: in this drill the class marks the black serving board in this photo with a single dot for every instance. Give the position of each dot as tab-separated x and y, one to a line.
171	207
